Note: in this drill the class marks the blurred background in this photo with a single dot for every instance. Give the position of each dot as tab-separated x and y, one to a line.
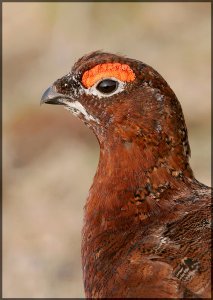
49	156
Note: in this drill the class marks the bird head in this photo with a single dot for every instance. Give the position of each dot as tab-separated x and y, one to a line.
121	99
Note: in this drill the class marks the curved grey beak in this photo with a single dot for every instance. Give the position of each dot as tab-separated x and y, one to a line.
51	96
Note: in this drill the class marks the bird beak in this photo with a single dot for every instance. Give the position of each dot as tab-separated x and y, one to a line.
51	96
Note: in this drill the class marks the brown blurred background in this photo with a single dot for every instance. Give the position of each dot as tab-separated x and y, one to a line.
49	156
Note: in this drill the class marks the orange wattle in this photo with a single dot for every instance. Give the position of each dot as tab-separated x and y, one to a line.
120	71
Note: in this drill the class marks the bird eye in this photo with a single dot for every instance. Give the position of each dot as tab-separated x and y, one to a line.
107	86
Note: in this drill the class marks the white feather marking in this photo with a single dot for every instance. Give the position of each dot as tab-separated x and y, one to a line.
159	97
76	108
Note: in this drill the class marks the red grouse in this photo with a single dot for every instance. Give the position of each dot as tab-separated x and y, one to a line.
147	219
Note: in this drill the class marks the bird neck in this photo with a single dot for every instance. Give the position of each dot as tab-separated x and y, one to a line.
133	169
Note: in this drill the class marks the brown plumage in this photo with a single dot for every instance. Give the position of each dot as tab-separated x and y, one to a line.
147	219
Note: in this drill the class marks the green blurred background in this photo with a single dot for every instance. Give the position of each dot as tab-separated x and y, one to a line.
49	156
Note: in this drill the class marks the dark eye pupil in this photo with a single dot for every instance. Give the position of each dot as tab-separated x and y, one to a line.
107	86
